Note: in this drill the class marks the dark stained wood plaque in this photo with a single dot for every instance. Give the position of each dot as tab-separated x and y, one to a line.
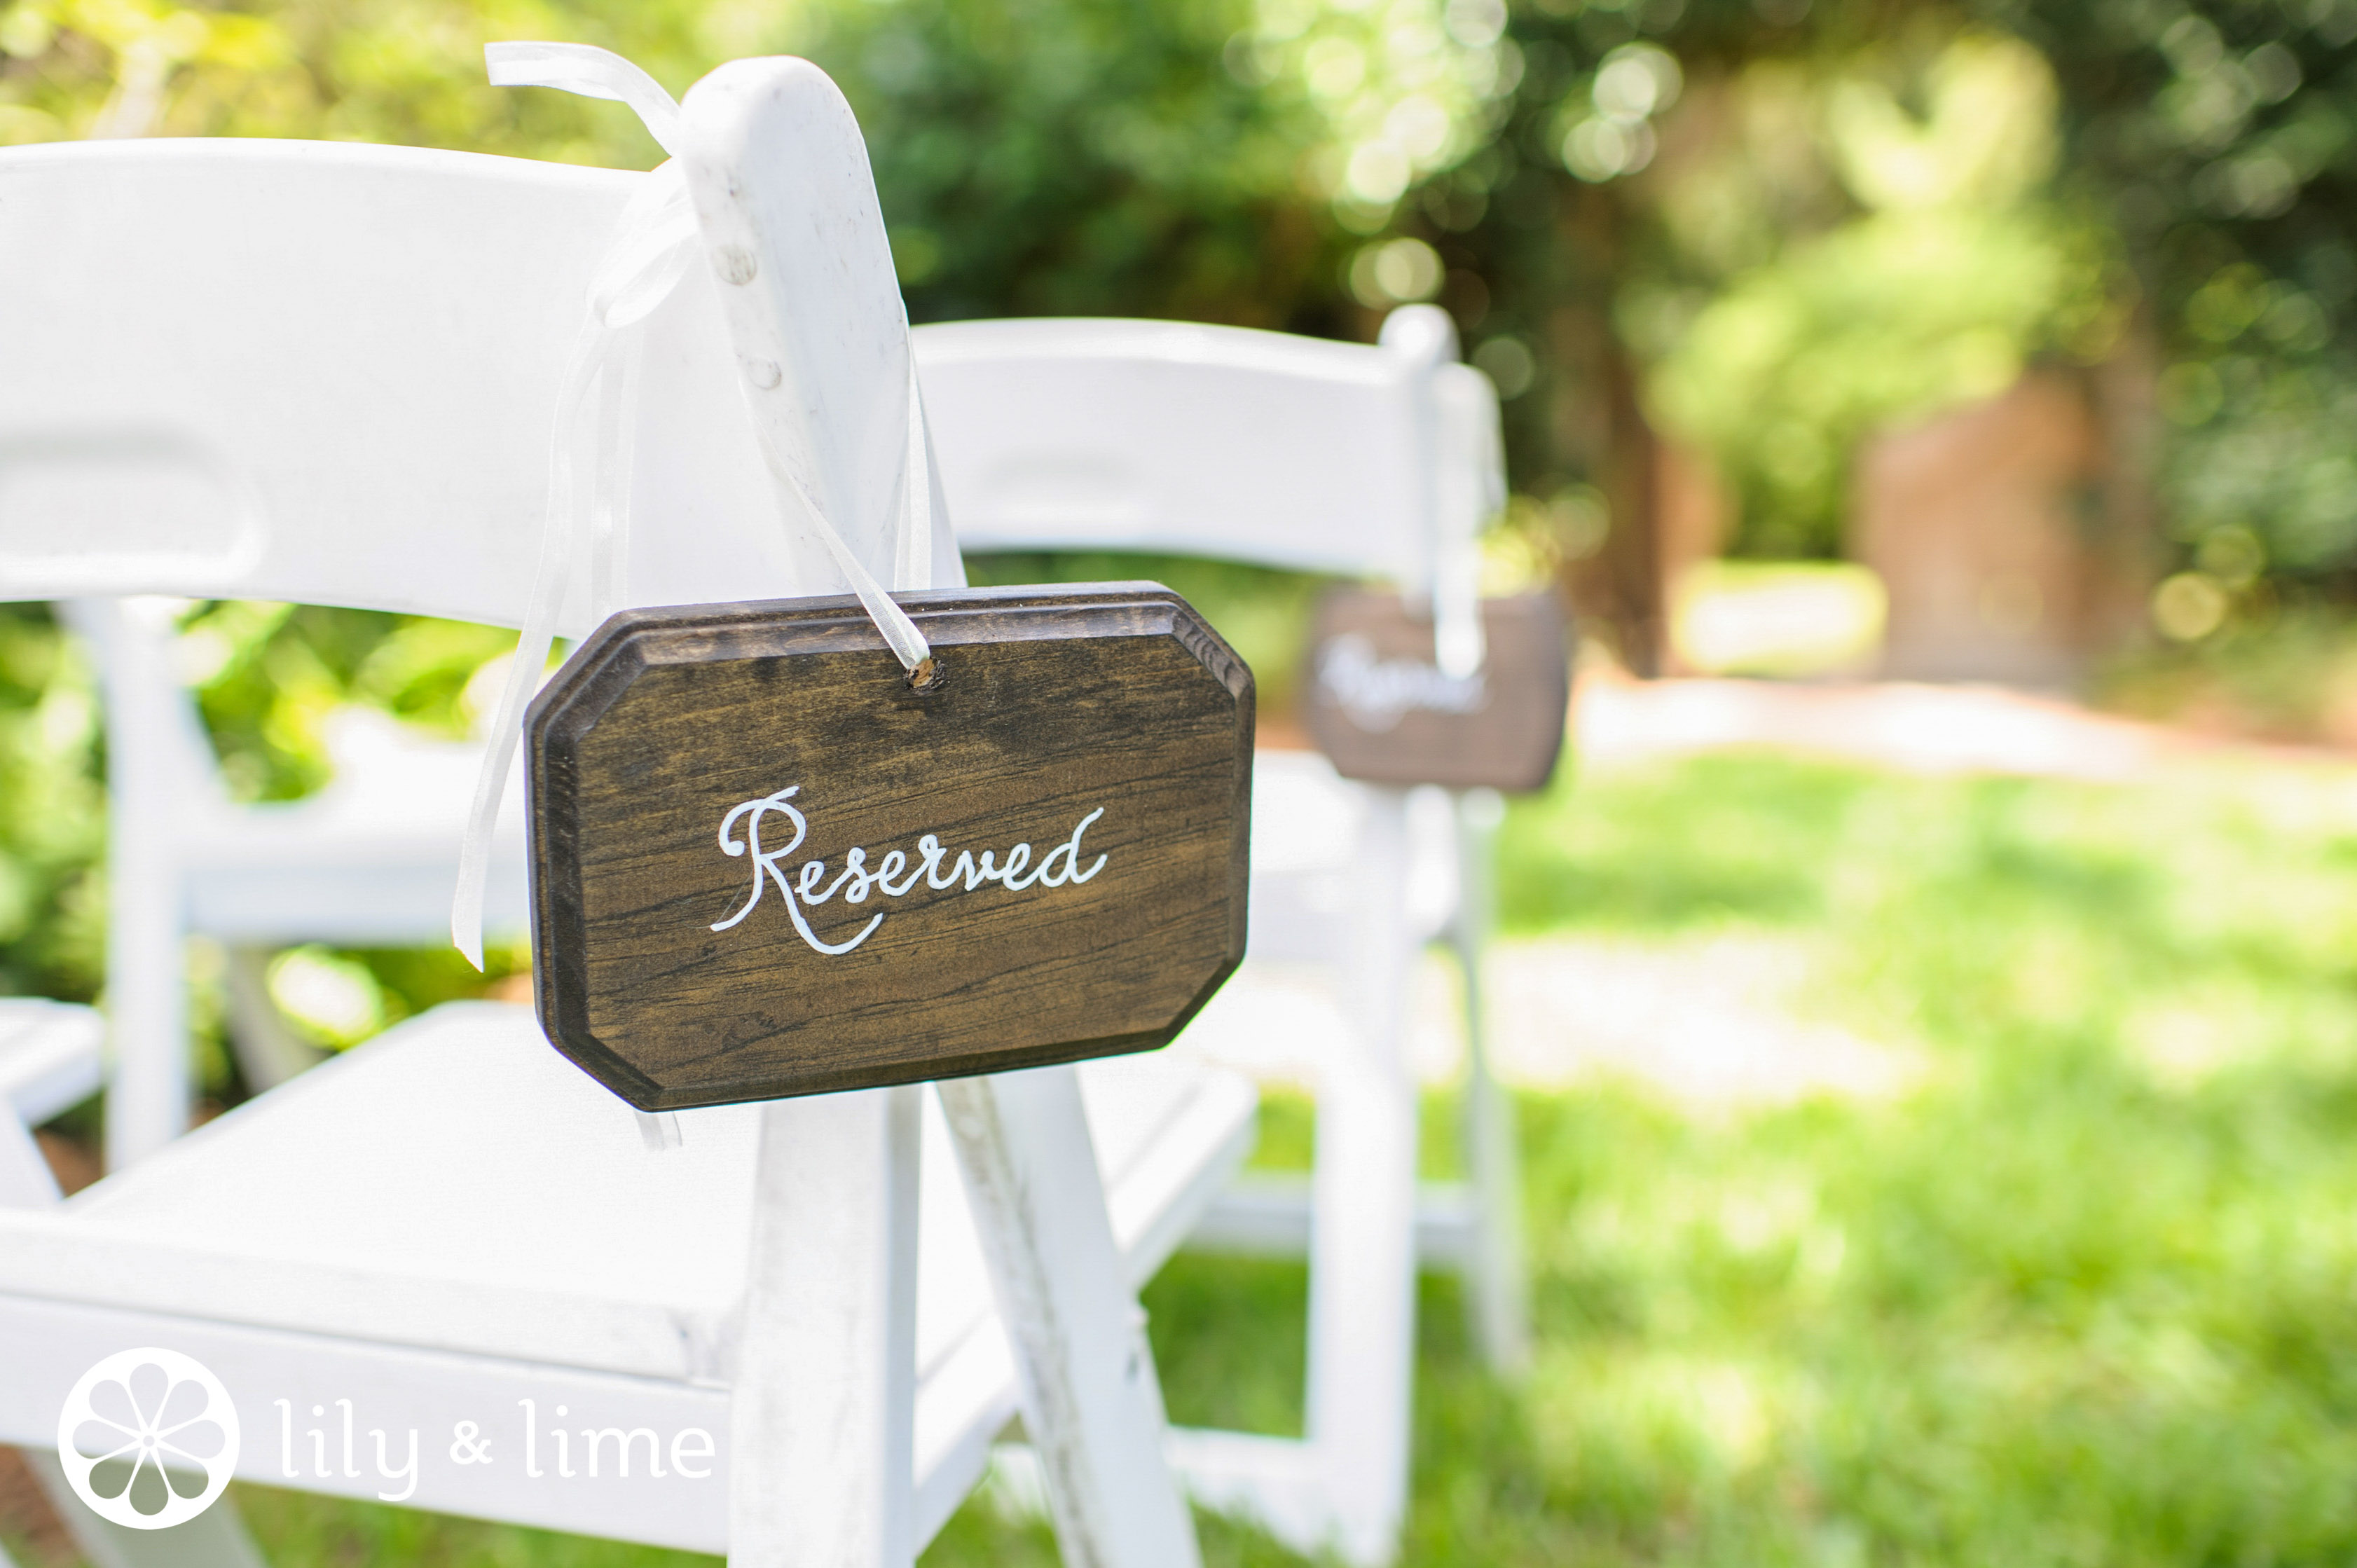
1380	709
766	864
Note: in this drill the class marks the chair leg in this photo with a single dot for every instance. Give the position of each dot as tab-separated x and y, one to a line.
25	1178
147	1094
822	1420
1362	1262
1501	1286
216	1537
267	1049
1091	1402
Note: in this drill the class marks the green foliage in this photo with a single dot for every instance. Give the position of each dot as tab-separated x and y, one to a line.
1141	158
2276	671
1815	219
51	834
1076	158
1802	235
1955	273
1757	227
269	677
1261	611
2219	136
300	1530
1891	318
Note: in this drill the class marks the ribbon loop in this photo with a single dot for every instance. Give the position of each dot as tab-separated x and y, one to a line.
592	72
653	242
651	248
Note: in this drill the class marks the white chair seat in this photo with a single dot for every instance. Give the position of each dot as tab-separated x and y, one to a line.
1308	824
48	1057
472	1190
370	860
456	1187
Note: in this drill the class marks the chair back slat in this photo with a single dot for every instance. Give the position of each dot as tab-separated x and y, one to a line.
327	374
778	171
1160	435
1214	441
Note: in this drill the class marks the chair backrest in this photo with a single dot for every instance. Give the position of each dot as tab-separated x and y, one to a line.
1215	441
328	373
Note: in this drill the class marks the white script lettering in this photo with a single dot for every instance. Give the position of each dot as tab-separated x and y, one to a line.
351	1468
1376	693
891	876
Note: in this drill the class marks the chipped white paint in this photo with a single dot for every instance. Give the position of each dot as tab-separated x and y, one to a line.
1090	1398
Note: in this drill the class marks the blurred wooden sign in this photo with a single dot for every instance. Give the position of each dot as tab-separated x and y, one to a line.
766	864
1382	709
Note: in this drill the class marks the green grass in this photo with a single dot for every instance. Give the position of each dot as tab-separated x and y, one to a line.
2088	1295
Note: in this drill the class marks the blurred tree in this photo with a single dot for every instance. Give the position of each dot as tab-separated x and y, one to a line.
1208	159
1818	216
1954	270
2223	137
1767	225
1203	158
51	906
1768	230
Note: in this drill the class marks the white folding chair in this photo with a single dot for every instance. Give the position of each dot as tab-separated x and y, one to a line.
1370	462
324	374
369	860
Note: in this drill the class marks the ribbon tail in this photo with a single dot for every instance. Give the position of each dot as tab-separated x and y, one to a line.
914	569
618	391
490	785
564	520
592	72
900	634
650	249
646	257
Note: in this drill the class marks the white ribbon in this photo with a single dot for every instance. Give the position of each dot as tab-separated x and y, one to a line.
651	247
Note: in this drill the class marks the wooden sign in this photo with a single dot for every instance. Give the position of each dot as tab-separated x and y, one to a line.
765	864
1381	710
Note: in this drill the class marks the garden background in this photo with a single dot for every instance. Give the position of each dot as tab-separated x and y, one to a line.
2069	1273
